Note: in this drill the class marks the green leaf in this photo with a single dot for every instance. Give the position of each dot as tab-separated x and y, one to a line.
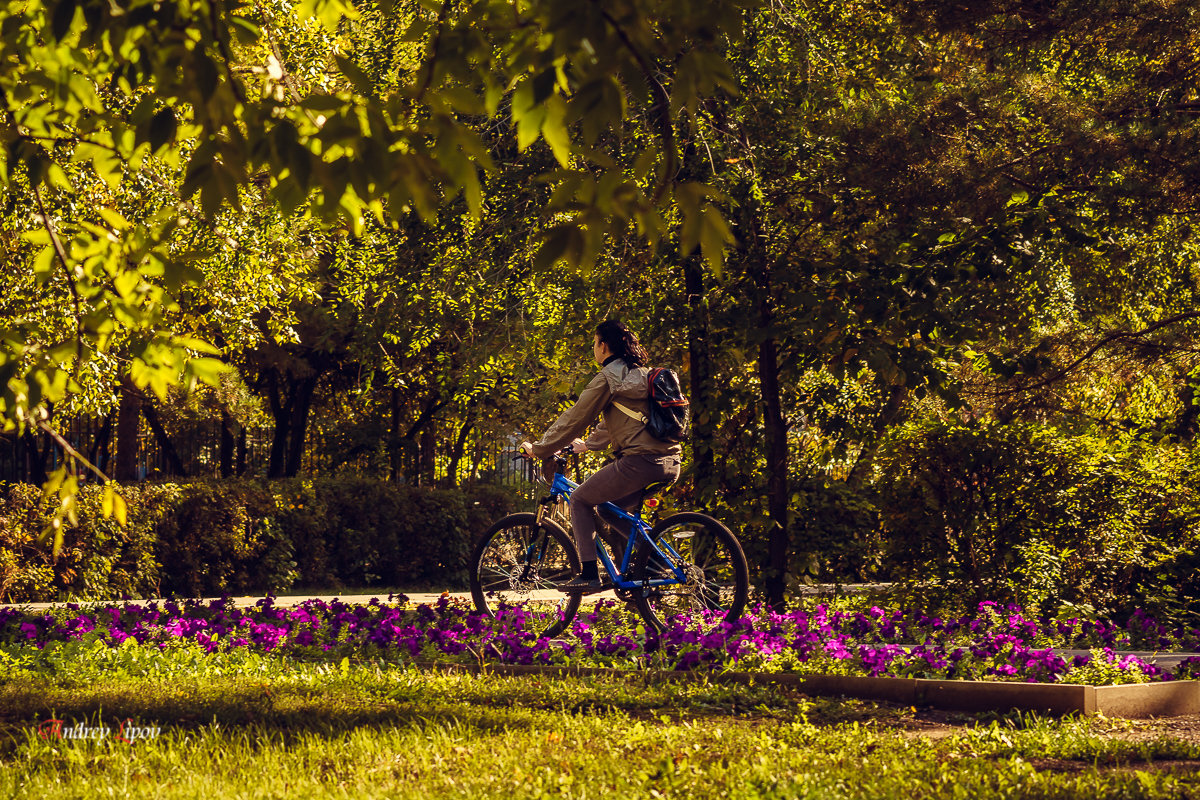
354	73
473	192
45	263
563	242
204	74
318	102
115	220
554	130
328	12
714	235
417	31
527	116
208	370
199	345
247	32
57	178
113	506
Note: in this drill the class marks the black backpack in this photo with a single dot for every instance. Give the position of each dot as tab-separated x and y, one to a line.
669	407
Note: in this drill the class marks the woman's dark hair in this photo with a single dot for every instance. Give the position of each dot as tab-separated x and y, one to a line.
622	342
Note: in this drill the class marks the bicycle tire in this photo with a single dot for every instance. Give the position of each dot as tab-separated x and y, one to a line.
502	574
712	558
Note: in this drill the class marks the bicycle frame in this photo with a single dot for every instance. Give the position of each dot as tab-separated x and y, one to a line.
561	489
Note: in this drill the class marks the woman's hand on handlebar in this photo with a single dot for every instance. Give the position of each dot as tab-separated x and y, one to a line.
525	449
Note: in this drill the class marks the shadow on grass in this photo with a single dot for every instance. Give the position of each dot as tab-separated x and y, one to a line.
280	710
331	706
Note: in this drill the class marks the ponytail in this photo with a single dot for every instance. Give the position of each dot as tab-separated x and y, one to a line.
622	342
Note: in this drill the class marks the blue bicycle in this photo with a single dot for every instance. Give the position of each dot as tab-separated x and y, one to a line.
688	562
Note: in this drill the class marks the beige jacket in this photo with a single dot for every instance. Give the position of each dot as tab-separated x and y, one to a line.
626	435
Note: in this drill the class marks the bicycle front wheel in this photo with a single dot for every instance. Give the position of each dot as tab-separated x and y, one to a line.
519	560
717	579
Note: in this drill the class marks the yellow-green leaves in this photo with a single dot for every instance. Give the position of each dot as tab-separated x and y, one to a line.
554	130
328	12
702	224
527	114
60	491
112	505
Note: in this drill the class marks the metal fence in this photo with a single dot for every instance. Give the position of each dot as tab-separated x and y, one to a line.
197	443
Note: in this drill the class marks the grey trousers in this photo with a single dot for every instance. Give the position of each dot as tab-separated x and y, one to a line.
621	483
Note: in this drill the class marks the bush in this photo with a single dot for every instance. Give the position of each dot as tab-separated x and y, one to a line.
216	537
1029	514
835	532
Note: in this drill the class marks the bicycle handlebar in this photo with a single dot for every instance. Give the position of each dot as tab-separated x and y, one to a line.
560	460
560	456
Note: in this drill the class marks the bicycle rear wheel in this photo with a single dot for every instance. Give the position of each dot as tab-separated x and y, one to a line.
717	577
518	560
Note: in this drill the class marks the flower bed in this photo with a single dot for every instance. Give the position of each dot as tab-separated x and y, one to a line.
994	644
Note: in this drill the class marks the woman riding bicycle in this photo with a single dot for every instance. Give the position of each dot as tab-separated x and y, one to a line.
618	395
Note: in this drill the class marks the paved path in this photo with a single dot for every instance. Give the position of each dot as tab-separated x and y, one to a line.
297	599
432	597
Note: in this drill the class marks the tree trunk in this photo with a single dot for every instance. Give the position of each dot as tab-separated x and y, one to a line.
281	413
35	459
301	405
700	375
129	411
775	429
394	445
174	462
99	453
241	452
411	442
227	444
460	447
428	471
775	434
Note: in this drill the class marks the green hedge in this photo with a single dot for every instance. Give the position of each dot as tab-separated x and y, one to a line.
212	537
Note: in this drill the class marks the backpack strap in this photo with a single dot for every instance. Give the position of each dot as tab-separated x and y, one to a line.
639	416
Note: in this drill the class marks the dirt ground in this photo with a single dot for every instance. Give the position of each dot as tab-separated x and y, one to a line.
937	724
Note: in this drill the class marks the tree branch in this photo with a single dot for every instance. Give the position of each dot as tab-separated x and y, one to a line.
662	98
1098	346
69	450
434	49
223	47
70	275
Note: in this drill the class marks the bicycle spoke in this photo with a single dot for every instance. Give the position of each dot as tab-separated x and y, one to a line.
517	558
714	569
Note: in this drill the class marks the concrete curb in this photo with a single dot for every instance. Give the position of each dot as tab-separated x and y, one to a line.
1130	701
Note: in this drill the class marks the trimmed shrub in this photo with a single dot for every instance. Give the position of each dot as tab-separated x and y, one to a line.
216	537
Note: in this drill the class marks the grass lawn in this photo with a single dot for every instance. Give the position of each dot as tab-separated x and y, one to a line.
255	725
